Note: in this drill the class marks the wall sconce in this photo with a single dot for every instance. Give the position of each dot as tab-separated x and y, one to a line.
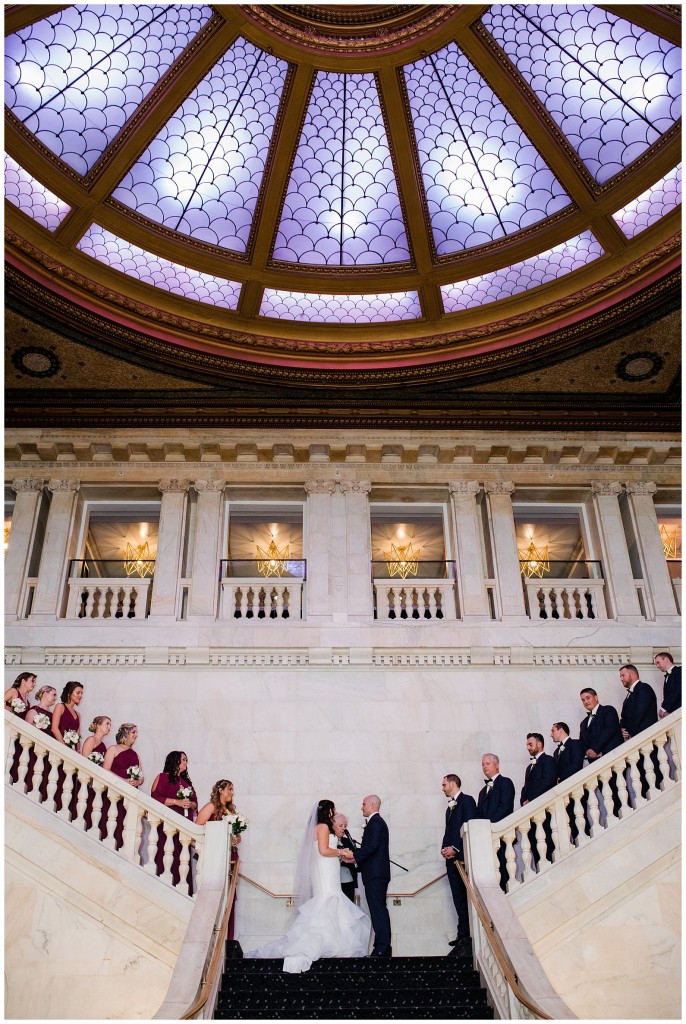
272	561
402	561
668	538
137	561
534	561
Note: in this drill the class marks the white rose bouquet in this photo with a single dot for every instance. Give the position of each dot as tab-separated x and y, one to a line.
72	738
96	757
237	822
184	793
18	706
134	773
41	722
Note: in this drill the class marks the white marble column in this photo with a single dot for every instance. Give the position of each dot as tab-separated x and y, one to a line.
652	553
319	533
50	592
469	550
169	548
505	553
206	554
20	542
619	578
358	550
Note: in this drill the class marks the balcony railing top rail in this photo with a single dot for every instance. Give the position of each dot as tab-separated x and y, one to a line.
265	569
111	568
562	569
404	571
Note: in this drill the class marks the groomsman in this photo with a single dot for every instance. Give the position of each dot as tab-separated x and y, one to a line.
461	808
639	709
569	753
495	802
540	776
599	732
671	699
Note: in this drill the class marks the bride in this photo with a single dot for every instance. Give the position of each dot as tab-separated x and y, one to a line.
327	923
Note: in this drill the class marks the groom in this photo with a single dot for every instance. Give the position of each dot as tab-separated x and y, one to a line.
372	860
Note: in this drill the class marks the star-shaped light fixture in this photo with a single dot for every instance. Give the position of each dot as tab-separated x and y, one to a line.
137	561
668	538
272	561
534	561
402	561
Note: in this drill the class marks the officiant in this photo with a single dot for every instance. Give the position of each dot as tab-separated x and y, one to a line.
345	842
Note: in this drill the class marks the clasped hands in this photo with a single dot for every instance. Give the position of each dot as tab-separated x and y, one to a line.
347	856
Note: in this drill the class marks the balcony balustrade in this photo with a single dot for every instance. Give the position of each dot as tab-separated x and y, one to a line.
569	590
429	594
249	595
674	568
105	590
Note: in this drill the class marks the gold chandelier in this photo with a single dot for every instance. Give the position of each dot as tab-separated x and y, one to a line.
535	561
137	561
272	561
402	561
668	538
7	536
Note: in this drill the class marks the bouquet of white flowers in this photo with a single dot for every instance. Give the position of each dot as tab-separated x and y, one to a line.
71	737
237	822
18	706
134	772
185	793
41	721
96	757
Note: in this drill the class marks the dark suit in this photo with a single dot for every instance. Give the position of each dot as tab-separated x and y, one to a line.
671	699
570	760
373	861
455	817
639	709
495	806
601	732
538	779
348	887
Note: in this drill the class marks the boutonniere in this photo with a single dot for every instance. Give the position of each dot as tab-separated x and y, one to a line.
452	804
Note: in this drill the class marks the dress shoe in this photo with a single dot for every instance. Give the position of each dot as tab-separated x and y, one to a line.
454	941
463	947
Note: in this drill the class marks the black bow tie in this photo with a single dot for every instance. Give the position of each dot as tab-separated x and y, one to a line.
489	782
561	746
533	759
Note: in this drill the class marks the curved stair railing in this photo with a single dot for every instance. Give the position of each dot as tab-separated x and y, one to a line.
98	804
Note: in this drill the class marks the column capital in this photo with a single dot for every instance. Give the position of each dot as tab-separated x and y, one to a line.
28	484
57	486
172	486
604	488
355	486
464	487
320	486
209	486
641	488
499	487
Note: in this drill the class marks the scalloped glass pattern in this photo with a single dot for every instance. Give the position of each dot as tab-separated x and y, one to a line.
202	173
342	206
74	79
340	309
482	177
520	277
32	198
651	205
612	87
144	266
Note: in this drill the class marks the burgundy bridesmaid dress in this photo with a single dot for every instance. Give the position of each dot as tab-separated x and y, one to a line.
123	761
69	720
166	789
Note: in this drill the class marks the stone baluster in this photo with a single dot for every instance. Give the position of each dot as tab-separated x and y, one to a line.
646	750
663	764
548	601
510	856
128	846
604	777
169	548
525	845
9	758
168	856
23	766
622	793
98	788
541	847
138	838
154	821
635	778
390	602
111	824
54	761
432	602
579	816
594	799
184	860
562	841
49	595
244	600
505	551
619	577
471	576
90	600
206	550
67	790
279	600
40	752
20	542
82	798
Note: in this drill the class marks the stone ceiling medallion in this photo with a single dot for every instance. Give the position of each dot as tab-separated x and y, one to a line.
36	362
639	366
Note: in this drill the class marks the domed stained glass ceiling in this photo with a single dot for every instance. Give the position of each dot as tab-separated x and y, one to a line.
228	166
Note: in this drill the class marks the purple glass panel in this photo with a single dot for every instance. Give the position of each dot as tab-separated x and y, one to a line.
482	177
202	173
144	266
612	87
75	78
342	205
520	277
340	309
32	198
651	205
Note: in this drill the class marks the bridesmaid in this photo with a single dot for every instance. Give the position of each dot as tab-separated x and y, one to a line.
166	788
65	717
100	728
20	690
45	702
119	758
220	804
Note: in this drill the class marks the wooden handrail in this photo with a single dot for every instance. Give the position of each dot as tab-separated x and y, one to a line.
218	953
498	948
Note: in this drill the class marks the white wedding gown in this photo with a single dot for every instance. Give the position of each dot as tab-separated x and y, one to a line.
327	925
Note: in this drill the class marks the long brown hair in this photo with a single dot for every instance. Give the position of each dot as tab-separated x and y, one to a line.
220	810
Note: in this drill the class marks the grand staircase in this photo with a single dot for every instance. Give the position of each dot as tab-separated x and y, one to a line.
377	988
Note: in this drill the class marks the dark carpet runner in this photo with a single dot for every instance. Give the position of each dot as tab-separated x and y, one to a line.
378	988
